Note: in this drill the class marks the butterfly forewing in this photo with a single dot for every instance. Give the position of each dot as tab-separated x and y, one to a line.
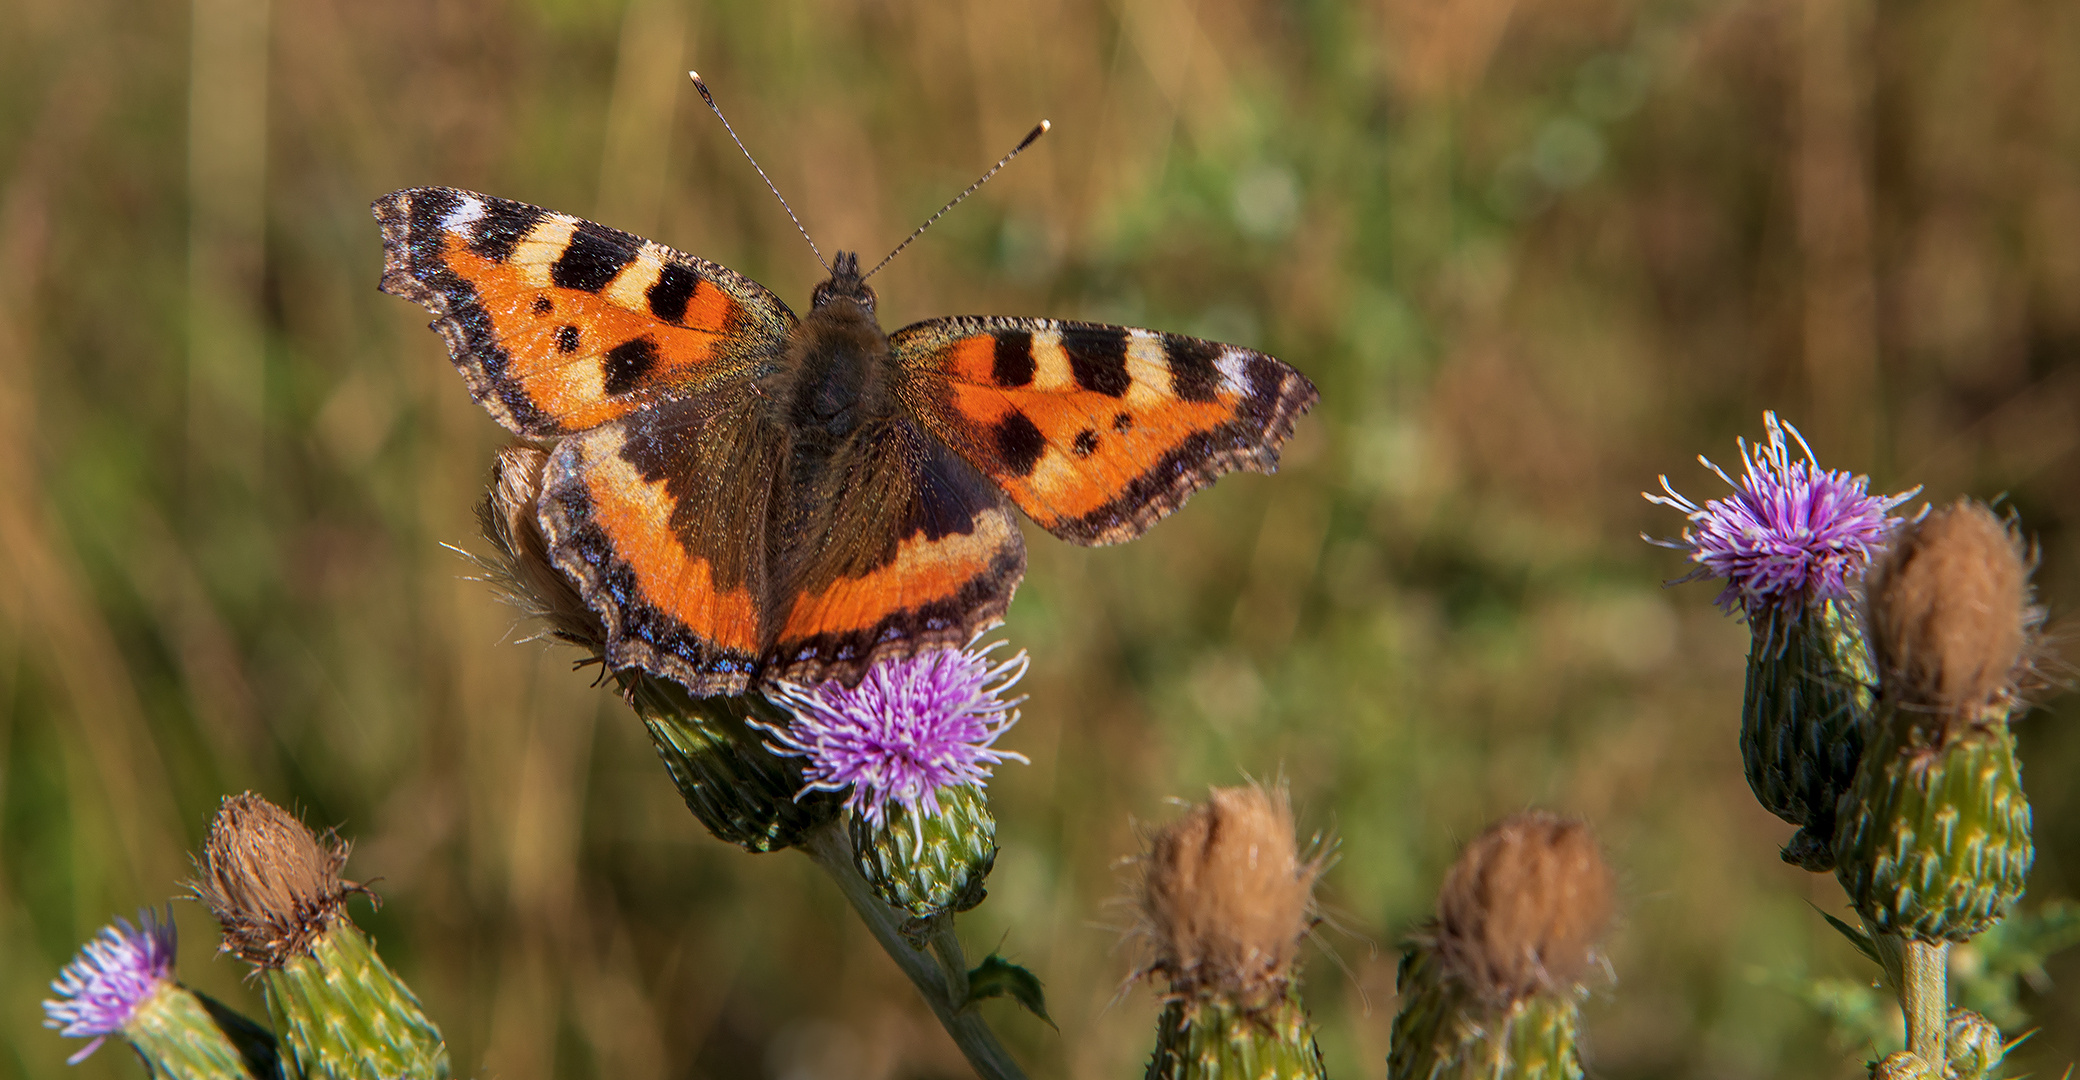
1097	432
559	324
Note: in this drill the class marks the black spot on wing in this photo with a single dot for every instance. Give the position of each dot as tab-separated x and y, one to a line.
627	364
594	255
671	292
1193	375
1013	364
567	338
543	305
1086	443
1019	443
1098	358
1273	400
1122	422
502	227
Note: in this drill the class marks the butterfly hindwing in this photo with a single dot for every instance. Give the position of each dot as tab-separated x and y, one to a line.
901	546
662	521
560	325
1096	432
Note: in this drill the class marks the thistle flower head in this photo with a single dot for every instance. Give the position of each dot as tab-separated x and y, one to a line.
910	728
1523	908
1951	613
114	974
1226	896
271	882
1791	533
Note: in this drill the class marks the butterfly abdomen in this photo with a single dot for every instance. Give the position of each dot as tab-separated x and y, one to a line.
832	393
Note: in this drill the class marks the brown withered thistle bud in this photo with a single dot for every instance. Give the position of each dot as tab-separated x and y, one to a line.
1933	839
272	883
1522	910
1950	614
339	1011
521	570
1226	897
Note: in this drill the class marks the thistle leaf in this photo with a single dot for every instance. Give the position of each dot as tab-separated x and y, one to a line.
998	977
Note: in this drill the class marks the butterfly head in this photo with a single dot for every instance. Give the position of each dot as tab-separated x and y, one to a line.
845	283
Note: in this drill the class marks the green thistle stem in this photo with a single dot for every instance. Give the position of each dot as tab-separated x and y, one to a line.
953	963
1924	994
830	848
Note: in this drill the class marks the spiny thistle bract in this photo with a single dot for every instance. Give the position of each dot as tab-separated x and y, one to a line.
1934	835
275	888
1490	988
929	864
1792	541
737	788
1804	715
1225	899
911	747
121	983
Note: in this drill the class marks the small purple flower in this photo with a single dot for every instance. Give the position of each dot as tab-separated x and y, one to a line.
911	727
121	969
1791	533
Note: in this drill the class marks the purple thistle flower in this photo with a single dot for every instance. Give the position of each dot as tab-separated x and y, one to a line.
114	974
1791	533
911	727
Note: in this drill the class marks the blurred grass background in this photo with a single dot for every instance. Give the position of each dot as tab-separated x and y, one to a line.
1534	252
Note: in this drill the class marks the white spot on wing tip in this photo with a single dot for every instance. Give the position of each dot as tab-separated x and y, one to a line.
462	217
1233	364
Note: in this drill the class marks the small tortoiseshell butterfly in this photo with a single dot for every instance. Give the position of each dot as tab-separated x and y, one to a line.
743	495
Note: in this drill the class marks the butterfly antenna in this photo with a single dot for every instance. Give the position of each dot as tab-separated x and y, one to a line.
1031	137
717	110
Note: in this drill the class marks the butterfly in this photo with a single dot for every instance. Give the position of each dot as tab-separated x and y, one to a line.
743	495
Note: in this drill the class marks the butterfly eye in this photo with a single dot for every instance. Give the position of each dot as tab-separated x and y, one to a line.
842	285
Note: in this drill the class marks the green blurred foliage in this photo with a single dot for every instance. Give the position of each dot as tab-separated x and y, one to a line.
1988	975
1534	252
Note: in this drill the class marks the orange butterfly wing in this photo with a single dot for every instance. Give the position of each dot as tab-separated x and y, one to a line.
662	522
1097	432
679	498
643	361
559	324
903	548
